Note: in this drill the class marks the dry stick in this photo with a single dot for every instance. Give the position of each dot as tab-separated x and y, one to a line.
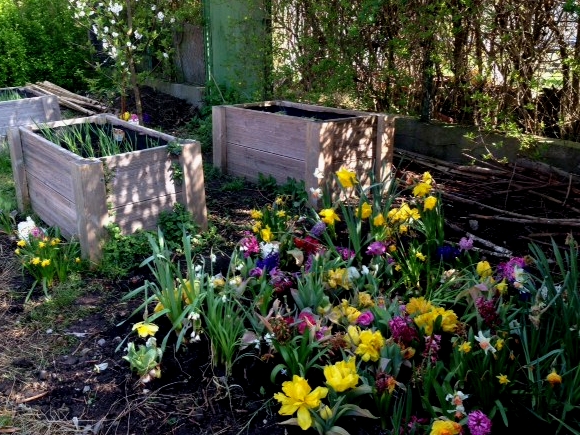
63	101
30	399
484	242
530	220
522	217
65	92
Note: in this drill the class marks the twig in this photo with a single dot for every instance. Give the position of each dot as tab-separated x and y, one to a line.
30	399
530	220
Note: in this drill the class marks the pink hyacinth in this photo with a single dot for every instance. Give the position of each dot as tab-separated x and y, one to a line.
478	423
365	319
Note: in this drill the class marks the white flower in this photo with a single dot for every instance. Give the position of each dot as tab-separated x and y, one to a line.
353	273
114	34
160	16
113	22
195	336
213	258
318	173
129	44
224	298
268	338
484	343
172	20
116	8
514	327
269	248
165	55
316	193
25	227
240	266
82	14
153	7
138	35
151	342
364	270
457	399
95	30
106	29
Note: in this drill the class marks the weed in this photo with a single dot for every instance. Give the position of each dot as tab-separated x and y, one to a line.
173	223
235	185
121	253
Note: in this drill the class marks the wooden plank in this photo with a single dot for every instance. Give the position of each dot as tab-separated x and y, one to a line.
268	132
193	193
314	159
51	108
52	207
18	169
350	137
247	162
91	207
138	128
48	162
26	111
384	147
302	106
142	215
219	135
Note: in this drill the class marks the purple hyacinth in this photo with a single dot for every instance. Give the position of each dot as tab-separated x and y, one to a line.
376	248
345	253
402	330
478	423
432	347
318	229
249	244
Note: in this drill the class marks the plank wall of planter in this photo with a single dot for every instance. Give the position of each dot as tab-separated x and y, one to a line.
31	108
82	195
284	139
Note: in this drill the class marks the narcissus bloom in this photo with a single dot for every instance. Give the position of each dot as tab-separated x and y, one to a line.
379	220
430	203
421	189
418	305
503	379
145	329
298	397
342	376
484	343
554	378
329	216
346	178
266	234
365	210
370	345
465	347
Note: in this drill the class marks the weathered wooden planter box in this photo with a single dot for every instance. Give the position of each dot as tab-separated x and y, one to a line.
82	195
31	108
285	139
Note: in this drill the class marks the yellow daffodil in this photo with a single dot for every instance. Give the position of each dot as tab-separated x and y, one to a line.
351	314
266	234
430	203
420	256
353	335
503	379
370	345
427	320
346	177
499	343
342	376
445	427
145	329
279	200
484	269
338	278
35	261
329	216
17	251
45	262
41	245
256	214
78	260
365	210
554	378
379	220
465	347
502	287
418	305
421	190
298	397
21	243
365	300
281	213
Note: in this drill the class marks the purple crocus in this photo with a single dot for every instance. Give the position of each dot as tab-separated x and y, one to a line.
466	244
318	229
376	249
478	423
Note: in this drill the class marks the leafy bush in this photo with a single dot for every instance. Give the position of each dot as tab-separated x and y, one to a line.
39	42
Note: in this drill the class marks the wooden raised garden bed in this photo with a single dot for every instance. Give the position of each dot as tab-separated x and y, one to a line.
283	139
81	195
24	106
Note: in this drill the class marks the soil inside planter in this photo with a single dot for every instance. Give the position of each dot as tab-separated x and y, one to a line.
313	115
125	139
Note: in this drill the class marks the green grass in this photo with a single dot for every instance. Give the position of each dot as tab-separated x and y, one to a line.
7	190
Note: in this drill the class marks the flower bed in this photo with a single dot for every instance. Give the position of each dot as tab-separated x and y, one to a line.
81	195
23	106
365	311
283	139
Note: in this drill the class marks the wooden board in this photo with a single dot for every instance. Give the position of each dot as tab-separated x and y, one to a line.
27	111
142	215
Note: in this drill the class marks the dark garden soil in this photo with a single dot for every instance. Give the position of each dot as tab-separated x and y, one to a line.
50	369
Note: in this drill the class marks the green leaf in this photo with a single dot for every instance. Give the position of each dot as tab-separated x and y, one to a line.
502	411
357	411
336	430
